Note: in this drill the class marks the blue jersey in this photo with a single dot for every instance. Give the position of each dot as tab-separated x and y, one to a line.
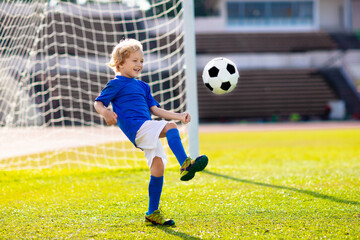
131	100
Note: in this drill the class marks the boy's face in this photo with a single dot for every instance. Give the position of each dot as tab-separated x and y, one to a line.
133	65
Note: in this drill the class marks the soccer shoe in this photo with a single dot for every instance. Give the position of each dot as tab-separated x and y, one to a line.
157	219
190	167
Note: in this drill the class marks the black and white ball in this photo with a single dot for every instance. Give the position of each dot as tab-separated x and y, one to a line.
220	75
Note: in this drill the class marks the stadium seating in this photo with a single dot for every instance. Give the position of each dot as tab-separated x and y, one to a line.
265	94
263	42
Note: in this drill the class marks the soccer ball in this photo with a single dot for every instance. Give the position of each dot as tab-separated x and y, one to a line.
220	75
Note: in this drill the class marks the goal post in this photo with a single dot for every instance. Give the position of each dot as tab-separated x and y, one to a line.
191	77
53	57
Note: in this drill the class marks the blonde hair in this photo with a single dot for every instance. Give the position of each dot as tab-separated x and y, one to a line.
122	51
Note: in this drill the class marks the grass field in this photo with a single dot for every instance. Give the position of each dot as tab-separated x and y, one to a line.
258	185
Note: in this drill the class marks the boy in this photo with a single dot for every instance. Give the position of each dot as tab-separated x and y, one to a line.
133	105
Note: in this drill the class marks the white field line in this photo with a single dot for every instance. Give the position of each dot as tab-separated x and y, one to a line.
24	141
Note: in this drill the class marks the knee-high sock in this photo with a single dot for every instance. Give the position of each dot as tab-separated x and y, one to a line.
176	146
155	189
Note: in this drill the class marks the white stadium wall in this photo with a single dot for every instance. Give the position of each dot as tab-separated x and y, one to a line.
355	9
331	15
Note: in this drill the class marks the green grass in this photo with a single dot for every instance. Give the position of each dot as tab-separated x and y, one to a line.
258	185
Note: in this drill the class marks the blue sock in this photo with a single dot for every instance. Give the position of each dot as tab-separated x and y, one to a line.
155	189
176	146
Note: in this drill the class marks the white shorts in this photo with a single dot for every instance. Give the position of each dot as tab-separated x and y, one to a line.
147	139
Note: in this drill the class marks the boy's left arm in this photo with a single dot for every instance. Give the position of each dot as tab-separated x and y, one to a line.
183	117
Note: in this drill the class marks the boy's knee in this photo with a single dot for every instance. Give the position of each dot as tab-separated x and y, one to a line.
171	125
168	126
157	167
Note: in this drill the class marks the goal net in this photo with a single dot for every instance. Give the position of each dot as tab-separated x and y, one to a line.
53	57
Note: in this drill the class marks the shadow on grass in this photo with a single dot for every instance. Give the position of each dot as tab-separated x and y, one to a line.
308	192
182	235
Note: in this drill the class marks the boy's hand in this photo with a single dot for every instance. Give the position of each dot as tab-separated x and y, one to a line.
185	118
110	117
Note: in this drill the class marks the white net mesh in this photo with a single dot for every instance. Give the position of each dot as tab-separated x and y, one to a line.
53	59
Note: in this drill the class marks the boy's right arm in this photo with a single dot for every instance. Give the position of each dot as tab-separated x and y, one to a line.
109	116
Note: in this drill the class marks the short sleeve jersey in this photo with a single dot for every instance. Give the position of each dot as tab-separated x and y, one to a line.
131	100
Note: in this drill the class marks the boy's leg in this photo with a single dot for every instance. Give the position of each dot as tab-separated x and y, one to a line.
153	215
188	166
155	189
174	142
155	184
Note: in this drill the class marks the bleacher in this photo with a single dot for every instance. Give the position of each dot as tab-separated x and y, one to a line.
264	94
221	43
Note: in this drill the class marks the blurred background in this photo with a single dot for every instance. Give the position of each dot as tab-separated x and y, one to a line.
298	60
